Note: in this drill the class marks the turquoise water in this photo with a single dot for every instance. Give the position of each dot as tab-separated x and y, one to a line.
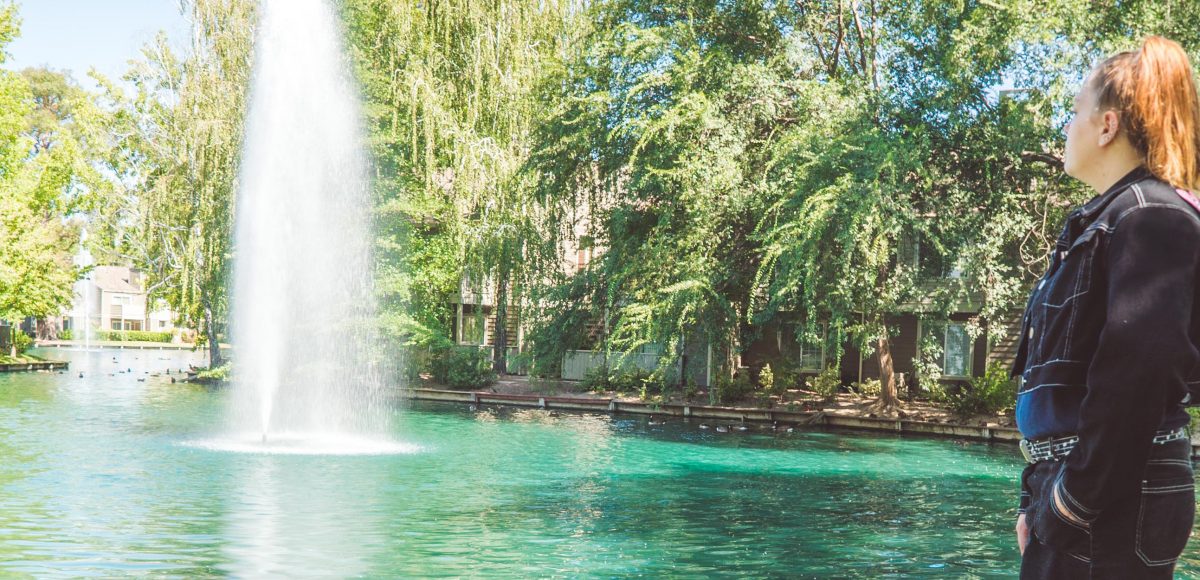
109	476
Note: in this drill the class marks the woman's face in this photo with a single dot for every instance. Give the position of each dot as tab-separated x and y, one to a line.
1084	134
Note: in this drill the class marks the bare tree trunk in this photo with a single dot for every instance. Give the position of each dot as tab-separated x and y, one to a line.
888	398
500	355
210	332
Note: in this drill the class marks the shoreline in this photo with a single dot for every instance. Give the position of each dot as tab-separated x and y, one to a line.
989	433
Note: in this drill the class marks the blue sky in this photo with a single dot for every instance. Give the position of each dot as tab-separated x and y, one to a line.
79	34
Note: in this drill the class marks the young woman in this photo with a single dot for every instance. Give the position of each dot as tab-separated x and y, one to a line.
1108	342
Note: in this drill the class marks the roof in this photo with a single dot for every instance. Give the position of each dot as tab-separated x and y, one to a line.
116	279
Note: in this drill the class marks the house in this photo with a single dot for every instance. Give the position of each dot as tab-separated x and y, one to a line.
959	356
115	298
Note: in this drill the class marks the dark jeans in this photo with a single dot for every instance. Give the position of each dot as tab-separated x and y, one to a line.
1136	537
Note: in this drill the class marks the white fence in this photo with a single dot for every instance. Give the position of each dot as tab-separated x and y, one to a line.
577	363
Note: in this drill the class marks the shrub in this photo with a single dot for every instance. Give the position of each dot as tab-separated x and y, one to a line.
787	376
625	380
730	390
868	388
826	384
766	379
22	341
462	367
1194	413
218	374
65	334
595	379
133	335
994	392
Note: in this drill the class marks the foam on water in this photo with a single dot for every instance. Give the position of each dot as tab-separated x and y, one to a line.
305	444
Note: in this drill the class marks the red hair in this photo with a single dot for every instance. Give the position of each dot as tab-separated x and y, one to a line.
1154	92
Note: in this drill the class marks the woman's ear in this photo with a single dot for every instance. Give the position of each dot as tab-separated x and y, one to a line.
1111	125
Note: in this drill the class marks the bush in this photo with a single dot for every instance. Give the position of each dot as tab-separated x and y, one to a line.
868	388
622	380
826	384
731	390
994	392
787	376
217	374
766	379
22	341
65	334
595	379
133	335
462	367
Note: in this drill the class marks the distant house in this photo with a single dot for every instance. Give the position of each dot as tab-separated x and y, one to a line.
115	298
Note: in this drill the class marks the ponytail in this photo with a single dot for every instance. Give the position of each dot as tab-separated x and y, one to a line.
1155	93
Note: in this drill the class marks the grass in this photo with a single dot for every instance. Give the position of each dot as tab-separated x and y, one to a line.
19	359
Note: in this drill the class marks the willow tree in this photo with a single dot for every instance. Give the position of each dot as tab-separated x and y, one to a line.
661	120
180	160
449	87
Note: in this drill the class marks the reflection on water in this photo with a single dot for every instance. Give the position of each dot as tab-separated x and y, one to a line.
291	519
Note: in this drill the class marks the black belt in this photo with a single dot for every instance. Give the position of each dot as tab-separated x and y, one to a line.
1055	448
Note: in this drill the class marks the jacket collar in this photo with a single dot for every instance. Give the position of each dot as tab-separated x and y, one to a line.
1101	201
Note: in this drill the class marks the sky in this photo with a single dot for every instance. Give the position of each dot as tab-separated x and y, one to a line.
77	35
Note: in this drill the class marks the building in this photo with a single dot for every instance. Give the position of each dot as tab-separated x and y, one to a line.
115	298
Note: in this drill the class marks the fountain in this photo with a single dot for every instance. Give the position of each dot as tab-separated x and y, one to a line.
303	300
82	321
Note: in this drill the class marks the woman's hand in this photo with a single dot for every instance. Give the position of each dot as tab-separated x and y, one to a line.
1022	533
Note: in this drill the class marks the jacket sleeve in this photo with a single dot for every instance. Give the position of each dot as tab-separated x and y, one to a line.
1142	357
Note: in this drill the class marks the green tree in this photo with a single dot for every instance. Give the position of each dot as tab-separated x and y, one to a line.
182	134
449	87
49	134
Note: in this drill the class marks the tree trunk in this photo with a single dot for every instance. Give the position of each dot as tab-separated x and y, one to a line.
888	398
210	332
500	356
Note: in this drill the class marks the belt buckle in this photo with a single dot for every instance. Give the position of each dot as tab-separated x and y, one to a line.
1024	445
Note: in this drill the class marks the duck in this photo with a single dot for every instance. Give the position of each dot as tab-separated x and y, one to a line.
655	422
722	428
702	425
81	375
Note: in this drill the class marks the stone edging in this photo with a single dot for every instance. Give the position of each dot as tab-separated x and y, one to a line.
747	414
34	366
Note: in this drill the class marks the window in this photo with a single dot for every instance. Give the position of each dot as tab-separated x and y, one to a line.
957	349
955	344
122	299
162	323
924	256
474	326
808	349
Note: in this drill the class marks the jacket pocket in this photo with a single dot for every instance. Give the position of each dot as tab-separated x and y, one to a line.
1166	511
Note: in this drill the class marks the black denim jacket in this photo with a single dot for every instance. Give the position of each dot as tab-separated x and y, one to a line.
1108	338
